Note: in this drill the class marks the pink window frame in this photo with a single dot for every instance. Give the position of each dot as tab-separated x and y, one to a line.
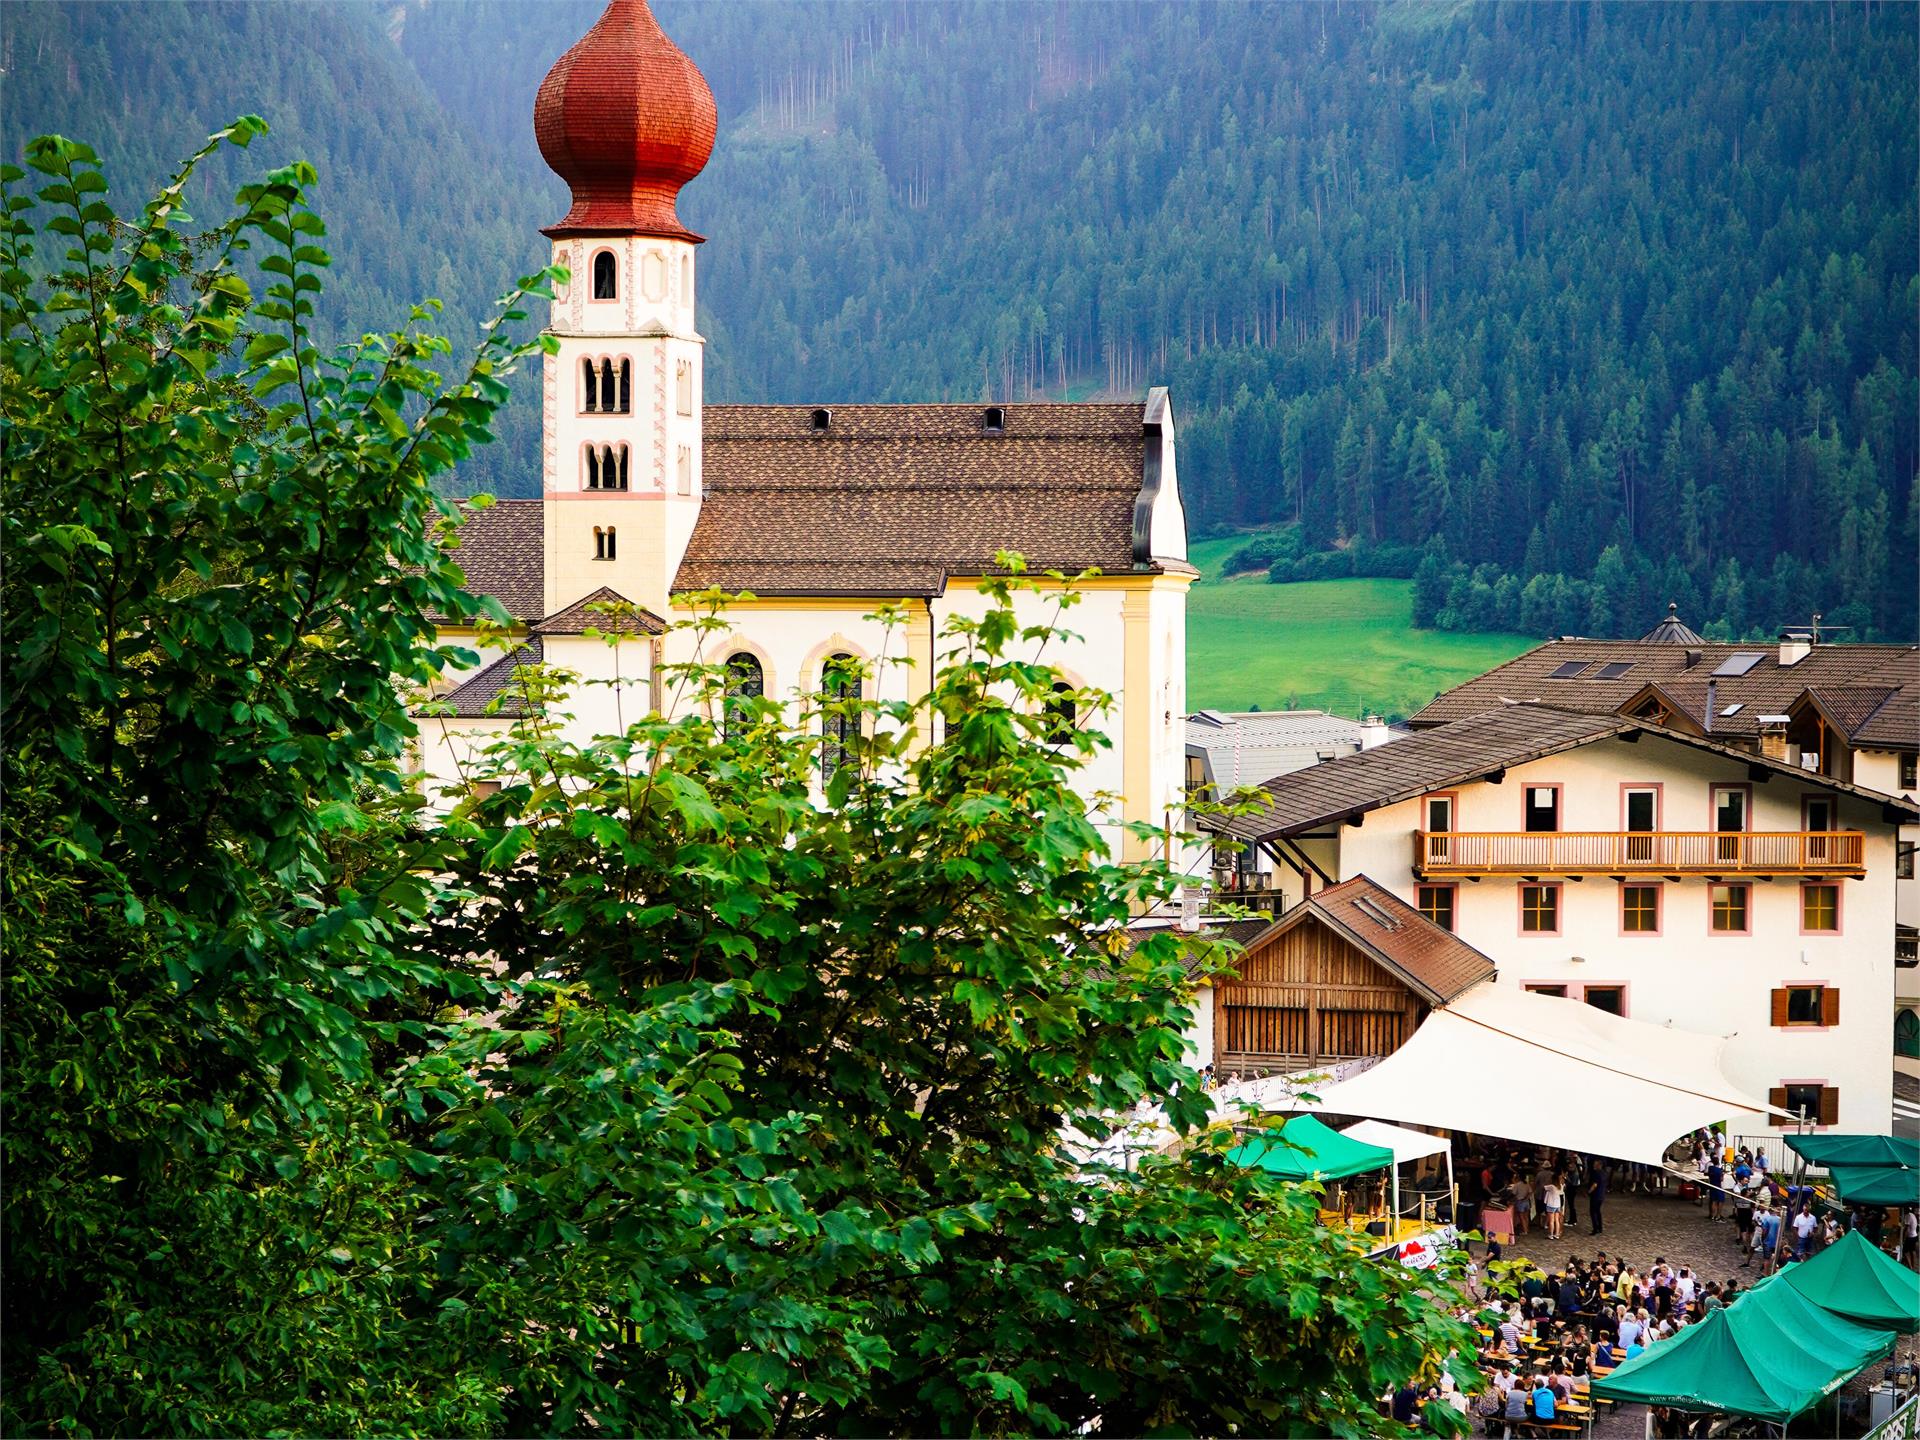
1807	802
1659	789
1659	889
1625	989
1537	987
1746	885
1452	885
1452	797
1839	908
1559	908
1745	788
1824	1085
580	390
593	260
1559	805
1800	1029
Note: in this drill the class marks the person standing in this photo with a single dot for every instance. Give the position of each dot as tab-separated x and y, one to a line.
1716	1192
1597	1193
1550	1206
1910	1235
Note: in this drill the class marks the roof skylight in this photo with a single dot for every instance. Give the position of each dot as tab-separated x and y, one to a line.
1740	663
1571	669
1614	669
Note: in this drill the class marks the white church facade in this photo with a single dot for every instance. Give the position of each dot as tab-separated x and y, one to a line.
822	514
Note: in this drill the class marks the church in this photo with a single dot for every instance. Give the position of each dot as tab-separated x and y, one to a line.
812	516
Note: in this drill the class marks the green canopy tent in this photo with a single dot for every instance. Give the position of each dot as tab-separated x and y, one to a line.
1305	1149
1831	1150
1853	1277
1876	1184
1770	1355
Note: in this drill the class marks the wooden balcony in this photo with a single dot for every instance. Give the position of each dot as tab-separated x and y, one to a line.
1652	853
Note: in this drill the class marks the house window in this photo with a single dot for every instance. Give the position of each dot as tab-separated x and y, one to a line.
483	789
1640	909
603	276
1642	818
1820	908
1729	818
839	683
1543	809
1906	1034
1806	1005
1820	1103
1909	770
1729	904
746	683
1436	903
1439	825
1061	713
683	386
1903	860
1540	909
1610	998
1558	992
603	545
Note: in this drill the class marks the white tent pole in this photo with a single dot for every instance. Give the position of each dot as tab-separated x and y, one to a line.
1393	1227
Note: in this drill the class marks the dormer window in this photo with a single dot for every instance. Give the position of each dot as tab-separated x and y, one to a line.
995	421
604	287
606	467
819	421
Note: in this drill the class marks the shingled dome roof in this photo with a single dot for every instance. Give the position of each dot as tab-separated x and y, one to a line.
1672	631
625	119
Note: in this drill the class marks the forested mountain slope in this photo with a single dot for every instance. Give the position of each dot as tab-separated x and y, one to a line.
1614	303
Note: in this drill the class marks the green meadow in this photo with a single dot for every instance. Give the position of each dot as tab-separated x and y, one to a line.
1343	645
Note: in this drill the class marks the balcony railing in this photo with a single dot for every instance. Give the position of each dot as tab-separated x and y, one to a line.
1648	852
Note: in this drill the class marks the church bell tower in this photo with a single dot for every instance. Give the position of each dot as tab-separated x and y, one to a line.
625	119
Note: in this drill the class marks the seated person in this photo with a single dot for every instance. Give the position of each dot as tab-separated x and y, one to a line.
1542	1400
1514	1412
1560	1382
1603	1354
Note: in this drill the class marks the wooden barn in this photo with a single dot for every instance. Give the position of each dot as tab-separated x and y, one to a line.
1349	972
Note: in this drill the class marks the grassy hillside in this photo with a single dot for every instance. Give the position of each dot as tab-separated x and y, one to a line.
1342	645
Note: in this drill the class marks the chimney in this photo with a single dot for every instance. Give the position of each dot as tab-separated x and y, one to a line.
1374	732
1795	645
1713	701
1189	908
1773	738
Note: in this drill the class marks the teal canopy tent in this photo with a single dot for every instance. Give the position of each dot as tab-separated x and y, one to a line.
1305	1149
1876	1184
1771	1355
1831	1150
1853	1277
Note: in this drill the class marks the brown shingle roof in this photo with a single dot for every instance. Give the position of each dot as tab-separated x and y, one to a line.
474	698
1768	688
580	617
889	500
502	549
1435	963
1351	785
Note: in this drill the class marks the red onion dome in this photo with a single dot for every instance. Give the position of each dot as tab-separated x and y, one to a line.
626	119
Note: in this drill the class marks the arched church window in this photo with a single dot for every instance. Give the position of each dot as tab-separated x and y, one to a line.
602	543
607	391
1061	712
683	386
626	387
593	468
603	276
746	682
839	682
589	387
620	474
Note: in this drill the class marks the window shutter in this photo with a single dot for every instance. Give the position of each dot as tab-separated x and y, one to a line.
1829	1006
1829	1104
1777	1097
1779	1007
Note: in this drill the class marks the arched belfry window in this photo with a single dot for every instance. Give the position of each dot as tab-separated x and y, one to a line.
603	543
604	287
626	386
606	467
746	682
839	682
589	387
1061	712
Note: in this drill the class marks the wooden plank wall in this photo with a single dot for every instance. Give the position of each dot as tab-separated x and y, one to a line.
1310	995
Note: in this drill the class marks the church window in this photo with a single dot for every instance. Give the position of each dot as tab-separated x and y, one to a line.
593	468
626	387
603	543
1061	713
839	683
607	467
746	682
683	386
686	470
603	276
589	387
